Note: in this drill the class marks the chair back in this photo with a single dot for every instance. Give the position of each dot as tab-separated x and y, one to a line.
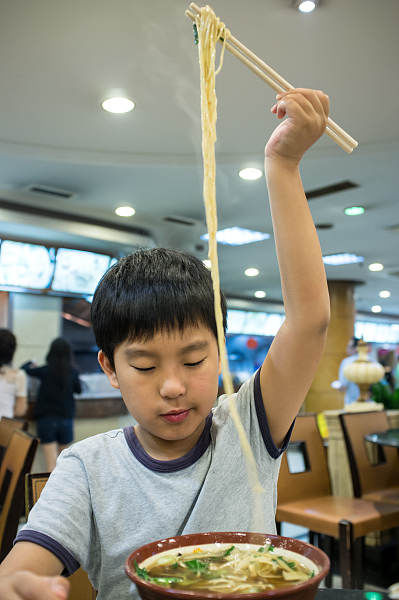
7	428
314	481
17	461
366	476
81	588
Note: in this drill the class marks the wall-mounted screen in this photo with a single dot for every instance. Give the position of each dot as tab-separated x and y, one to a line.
78	271
26	265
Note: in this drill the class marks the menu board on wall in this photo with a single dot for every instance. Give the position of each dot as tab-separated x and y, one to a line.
78	271
26	265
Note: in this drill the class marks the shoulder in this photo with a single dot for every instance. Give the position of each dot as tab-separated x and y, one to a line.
96	447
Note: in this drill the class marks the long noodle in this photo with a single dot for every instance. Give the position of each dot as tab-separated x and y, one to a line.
210	30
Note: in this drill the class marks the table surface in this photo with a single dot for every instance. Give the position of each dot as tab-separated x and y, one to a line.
339	594
384	438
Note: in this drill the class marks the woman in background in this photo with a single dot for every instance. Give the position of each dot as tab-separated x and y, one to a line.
13	385
55	403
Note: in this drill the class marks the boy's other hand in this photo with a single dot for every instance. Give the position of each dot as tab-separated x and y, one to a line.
307	113
24	585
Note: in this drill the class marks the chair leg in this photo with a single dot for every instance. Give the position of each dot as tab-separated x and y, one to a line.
312	538
327	546
358	549
278	527
346	554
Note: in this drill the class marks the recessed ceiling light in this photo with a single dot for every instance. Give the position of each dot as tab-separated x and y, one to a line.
207	263
376	267
354	211
260	294
125	211
250	174
384	294
251	272
343	258
237	236
306	6
376	308
118	105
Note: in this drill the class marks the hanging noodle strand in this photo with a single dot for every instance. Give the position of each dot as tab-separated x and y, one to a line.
210	30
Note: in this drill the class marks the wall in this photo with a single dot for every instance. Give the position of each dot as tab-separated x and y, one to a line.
35	319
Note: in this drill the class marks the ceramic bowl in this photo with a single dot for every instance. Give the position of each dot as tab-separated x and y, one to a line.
301	591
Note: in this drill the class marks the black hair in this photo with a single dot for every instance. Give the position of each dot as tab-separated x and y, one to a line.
150	291
59	360
355	341
8	345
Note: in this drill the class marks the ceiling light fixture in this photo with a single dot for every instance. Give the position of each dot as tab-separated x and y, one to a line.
260	294
384	294
125	211
354	211
237	236
118	105
250	174
251	272
376	308
343	258
376	267
306	6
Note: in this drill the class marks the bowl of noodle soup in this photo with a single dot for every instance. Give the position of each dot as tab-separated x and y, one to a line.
227	566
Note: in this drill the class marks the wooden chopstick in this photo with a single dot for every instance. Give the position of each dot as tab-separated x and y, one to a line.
274	80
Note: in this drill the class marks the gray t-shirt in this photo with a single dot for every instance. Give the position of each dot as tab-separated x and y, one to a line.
107	496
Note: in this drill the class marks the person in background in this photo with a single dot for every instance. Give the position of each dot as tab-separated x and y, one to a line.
55	402
13	385
351	389
387	359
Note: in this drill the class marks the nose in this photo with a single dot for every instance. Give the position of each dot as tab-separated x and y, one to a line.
172	386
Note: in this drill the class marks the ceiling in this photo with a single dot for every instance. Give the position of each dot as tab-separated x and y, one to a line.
59	60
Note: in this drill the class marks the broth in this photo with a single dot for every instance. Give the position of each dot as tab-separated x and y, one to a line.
238	568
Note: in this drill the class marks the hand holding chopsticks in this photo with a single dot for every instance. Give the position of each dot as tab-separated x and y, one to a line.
272	78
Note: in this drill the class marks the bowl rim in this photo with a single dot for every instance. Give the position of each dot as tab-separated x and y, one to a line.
182	594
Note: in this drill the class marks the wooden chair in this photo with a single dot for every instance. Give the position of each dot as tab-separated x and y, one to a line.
305	499
7	428
81	588
17	461
375	482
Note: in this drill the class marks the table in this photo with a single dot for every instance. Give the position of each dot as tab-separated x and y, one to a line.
390	437
339	594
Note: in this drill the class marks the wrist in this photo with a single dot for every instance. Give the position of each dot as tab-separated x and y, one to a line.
281	165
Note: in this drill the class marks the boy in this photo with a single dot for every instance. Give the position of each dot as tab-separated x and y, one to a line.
181	469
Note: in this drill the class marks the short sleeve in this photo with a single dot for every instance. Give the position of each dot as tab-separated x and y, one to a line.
61	520
21	386
250	407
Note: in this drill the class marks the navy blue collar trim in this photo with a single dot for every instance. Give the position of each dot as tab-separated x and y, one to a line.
263	423
169	466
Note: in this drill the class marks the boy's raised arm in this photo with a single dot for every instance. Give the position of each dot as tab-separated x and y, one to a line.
292	360
30	572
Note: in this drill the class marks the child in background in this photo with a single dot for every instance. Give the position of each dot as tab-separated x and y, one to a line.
13	385
181	468
55	403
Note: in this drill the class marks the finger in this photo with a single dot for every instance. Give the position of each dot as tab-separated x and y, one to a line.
293	106
317	98
34	587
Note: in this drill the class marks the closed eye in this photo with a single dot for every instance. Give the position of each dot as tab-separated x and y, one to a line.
142	369
194	364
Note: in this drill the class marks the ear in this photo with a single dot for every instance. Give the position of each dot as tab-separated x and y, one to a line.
107	368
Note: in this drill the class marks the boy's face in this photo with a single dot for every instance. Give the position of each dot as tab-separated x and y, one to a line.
168	383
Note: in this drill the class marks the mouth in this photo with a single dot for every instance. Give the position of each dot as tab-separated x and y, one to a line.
176	416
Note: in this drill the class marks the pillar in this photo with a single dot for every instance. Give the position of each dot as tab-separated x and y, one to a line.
321	395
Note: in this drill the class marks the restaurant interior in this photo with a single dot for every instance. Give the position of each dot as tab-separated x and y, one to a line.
83	185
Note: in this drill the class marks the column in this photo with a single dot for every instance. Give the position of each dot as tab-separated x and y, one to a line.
321	395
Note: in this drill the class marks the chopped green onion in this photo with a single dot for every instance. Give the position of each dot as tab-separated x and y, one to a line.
229	551
270	548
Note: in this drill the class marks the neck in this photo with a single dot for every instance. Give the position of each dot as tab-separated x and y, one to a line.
161	449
